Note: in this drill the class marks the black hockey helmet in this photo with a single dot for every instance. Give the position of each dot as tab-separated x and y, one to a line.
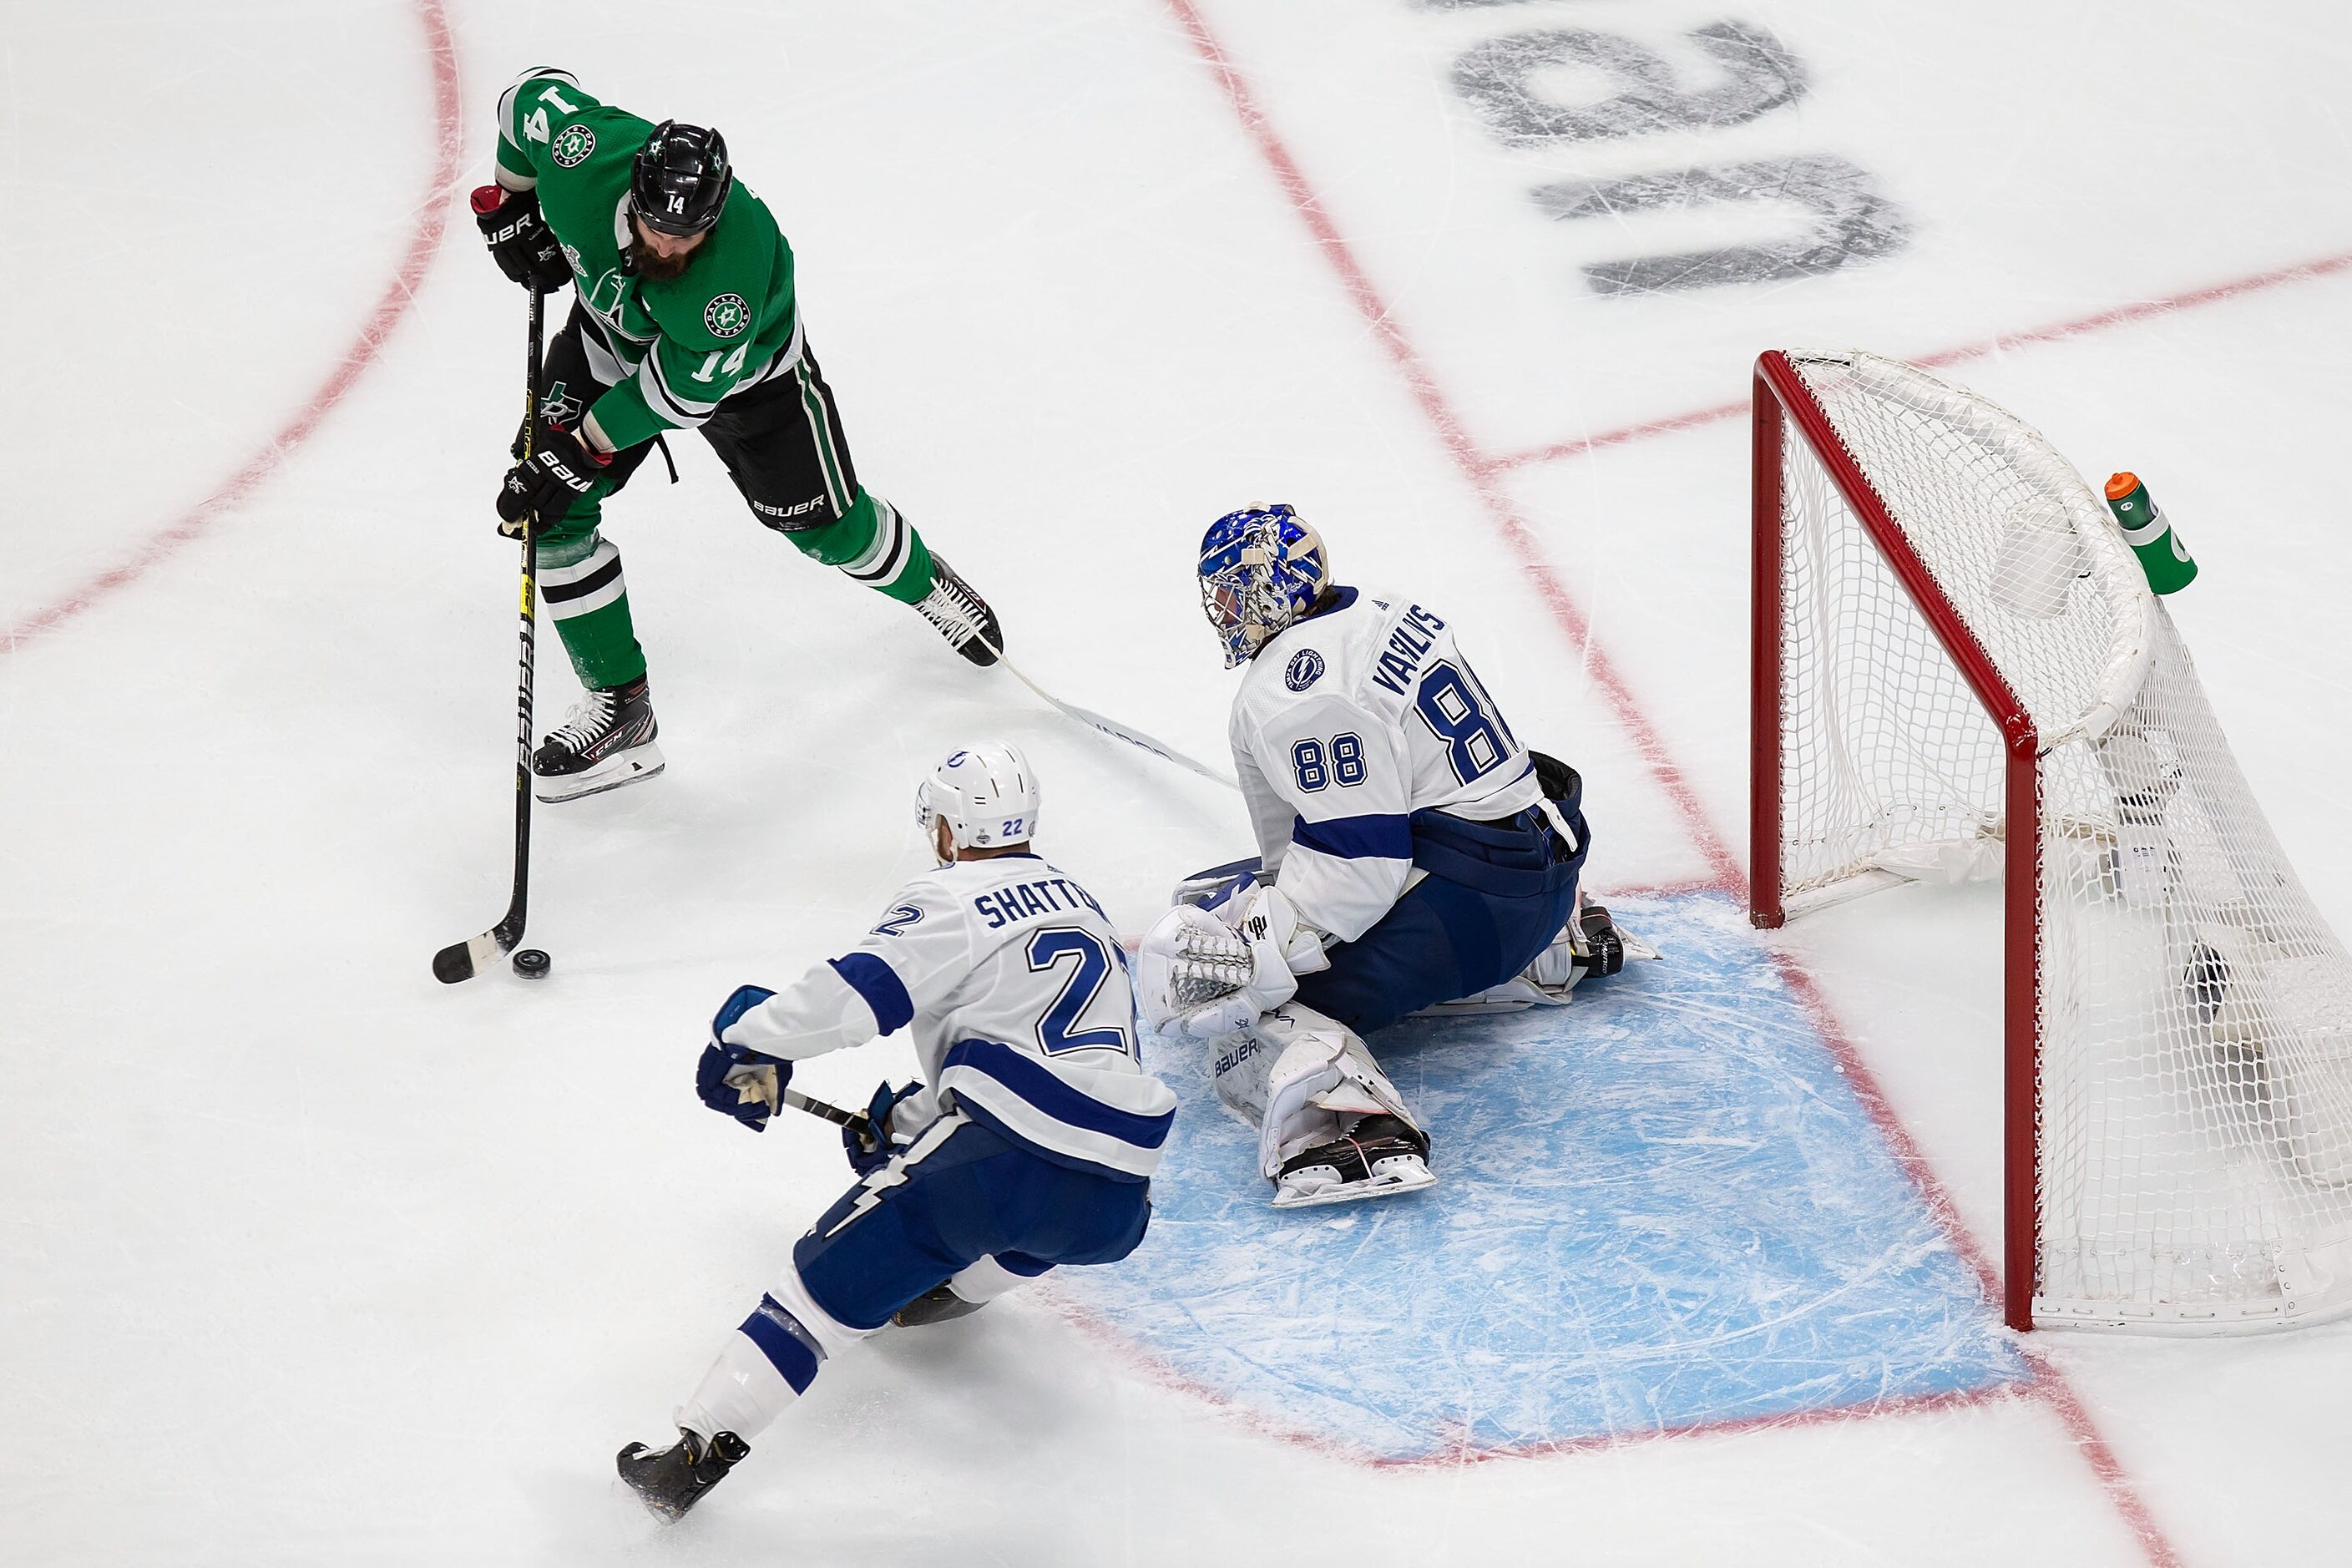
680	179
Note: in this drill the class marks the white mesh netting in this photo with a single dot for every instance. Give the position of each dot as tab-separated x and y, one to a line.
2195	1095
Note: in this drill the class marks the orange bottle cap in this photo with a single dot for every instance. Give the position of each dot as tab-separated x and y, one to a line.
2121	485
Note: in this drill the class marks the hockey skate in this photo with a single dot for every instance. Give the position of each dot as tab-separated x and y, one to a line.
671	1480
962	616
1381	1156
605	742
937	1305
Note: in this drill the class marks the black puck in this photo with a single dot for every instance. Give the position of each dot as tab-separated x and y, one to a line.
531	963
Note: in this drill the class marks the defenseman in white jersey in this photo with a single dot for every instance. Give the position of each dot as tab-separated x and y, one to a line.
1413	853
1030	1142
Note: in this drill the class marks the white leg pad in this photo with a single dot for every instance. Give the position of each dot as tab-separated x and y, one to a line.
1319	1082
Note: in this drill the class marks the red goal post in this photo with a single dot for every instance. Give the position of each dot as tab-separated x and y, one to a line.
1959	672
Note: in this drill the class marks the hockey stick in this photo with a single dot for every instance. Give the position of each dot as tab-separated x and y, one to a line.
1110	727
855	1120
464	960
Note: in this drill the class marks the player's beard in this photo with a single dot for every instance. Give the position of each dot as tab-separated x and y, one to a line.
653	269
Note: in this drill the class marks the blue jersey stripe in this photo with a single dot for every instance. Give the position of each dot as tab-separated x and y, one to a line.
880	985
788	1346
1033	1081
1357	838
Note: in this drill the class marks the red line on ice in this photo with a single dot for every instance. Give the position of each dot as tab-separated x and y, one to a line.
1485	473
2057	331
390	310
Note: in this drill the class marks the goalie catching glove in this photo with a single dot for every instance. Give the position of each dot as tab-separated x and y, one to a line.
736	1080
1206	979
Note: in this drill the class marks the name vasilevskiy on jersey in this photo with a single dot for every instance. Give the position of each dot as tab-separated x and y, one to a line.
1406	645
1024	899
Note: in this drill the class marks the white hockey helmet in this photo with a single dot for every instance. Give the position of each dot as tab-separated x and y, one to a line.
987	794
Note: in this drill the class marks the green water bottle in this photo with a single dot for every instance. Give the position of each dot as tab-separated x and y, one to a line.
2159	550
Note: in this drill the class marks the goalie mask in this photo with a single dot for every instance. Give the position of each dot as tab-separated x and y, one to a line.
1261	570
986	794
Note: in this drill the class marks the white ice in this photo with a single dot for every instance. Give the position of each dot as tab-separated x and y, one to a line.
304	1259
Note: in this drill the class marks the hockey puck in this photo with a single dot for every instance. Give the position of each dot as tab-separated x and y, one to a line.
531	963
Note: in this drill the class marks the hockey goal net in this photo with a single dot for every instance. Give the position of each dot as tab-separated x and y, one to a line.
1960	673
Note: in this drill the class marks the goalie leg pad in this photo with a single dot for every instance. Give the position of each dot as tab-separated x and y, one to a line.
1320	1083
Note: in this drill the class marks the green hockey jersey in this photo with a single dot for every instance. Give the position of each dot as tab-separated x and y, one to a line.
726	324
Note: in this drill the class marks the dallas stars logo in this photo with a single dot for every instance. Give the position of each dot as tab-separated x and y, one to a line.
572	146
559	408
727	316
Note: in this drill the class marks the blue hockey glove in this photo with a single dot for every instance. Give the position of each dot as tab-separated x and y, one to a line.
737	1081
740	1082
868	1155
742	1000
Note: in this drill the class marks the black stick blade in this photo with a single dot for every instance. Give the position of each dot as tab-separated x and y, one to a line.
464	960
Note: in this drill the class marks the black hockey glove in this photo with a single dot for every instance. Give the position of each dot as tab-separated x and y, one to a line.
869	1154
736	1080
522	245
562	469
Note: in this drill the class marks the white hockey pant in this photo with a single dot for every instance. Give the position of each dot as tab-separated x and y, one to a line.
1304	1079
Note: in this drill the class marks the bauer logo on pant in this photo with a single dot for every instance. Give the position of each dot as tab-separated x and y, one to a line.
572	146
727	316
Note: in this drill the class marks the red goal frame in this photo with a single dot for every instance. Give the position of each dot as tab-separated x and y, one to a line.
1784	402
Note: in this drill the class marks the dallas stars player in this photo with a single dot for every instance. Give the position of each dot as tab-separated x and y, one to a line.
685	319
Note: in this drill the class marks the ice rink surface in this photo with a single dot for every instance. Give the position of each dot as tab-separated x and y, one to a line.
304	1259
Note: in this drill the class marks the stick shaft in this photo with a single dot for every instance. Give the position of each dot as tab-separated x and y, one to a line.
832	1113
1112	727
464	960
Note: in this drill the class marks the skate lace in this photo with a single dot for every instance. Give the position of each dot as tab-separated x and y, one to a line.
955	609
585	721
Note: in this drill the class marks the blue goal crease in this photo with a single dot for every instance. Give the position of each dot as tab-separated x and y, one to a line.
1659	1207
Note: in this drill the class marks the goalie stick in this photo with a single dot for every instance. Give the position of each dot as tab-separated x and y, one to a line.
1111	726
464	960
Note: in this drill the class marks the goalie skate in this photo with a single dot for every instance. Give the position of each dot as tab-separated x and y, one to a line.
1591	943
1382	1157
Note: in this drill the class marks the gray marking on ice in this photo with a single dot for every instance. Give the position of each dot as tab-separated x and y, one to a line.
1505	80
1850	222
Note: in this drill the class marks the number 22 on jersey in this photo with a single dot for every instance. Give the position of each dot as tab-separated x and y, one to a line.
1089	966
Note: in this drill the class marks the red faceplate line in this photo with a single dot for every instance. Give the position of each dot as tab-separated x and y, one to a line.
1483	476
390	309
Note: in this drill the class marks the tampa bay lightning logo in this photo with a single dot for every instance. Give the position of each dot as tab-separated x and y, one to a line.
1306	670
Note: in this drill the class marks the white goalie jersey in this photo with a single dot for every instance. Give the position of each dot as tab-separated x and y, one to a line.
1346	723
1013	985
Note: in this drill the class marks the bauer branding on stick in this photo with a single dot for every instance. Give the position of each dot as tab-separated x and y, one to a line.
2150	535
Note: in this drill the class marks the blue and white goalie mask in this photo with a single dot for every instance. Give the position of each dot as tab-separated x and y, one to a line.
987	796
1261	568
